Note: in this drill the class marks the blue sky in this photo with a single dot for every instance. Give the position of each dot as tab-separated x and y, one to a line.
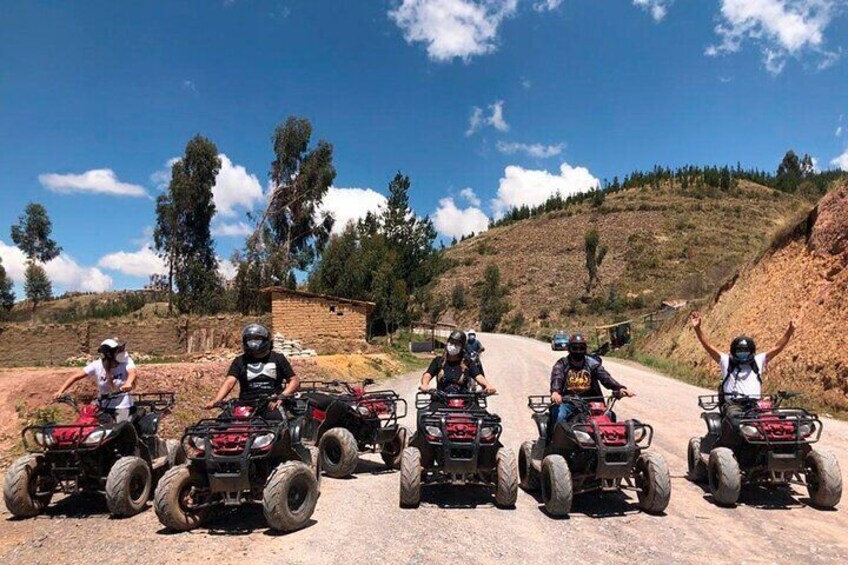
484	103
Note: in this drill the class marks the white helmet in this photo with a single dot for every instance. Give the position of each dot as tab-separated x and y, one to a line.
114	350
471	333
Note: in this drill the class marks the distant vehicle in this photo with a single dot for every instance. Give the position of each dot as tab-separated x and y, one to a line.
559	342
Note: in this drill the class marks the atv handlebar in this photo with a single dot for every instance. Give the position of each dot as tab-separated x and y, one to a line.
540	403
256	402
711	402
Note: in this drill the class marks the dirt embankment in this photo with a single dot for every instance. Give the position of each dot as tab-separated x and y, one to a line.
803	276
26	392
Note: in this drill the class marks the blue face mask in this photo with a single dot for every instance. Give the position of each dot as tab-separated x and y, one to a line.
743	357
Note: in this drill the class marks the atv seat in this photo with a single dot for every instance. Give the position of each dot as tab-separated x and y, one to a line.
320	400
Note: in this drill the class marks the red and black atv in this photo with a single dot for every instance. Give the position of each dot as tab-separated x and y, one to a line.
240	458
591	452
344	420
767	445
95	453
457	442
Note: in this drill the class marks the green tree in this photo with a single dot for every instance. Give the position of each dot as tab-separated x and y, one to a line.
37	286
595	254
7	293
458	297
32	236
789	172
493	306
183	236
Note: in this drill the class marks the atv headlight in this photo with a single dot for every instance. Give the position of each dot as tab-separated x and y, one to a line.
639	434
95	437
806	429
43	439
363	410
197	442
749	431
487	433
433	431
583	438
262	441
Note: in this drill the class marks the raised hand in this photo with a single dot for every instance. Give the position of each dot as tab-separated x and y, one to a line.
695	319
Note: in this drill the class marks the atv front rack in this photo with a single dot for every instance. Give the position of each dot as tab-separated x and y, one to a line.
74	436
797	416
211	428
460	436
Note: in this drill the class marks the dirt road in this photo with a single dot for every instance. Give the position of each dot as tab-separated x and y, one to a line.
358	520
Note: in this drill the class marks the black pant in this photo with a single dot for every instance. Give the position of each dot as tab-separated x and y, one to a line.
731	414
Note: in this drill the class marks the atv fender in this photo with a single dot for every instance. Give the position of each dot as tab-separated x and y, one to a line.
542	421
339	415
148	425
713	422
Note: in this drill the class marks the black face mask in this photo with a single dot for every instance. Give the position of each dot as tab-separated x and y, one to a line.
576	358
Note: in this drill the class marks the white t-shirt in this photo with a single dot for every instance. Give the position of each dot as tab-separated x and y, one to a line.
111	382
744	381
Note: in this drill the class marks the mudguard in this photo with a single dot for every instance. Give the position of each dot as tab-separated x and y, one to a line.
713	422
148	424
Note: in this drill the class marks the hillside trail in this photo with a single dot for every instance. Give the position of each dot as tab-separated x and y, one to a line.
358	519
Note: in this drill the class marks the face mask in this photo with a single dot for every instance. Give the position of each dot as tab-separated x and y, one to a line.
742	357
576	358
453	349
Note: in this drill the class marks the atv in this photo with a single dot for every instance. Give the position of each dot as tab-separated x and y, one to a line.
238	458
591	452
95	453
344	420
770	445
457	442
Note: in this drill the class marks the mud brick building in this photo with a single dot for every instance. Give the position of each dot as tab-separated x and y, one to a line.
324	323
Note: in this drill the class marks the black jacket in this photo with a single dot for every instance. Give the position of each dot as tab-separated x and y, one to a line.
584	381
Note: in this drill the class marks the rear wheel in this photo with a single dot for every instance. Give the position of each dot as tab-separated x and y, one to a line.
654	483
128	486
27	490
176	498
339	453
526	472
410	478
557	490
507	491
697	469
290	496
724	476
824	479
392	451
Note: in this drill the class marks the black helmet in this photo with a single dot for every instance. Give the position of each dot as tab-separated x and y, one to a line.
256	341
743	349
577	347
458	337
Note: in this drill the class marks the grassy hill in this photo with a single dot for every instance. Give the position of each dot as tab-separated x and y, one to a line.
76	307
664	243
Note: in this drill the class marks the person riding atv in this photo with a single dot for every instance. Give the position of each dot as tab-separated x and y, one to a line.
742	373
579	374
455	371
259	372
474	349
114	372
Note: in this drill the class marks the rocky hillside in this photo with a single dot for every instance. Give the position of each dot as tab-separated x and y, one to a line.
803	275
664	243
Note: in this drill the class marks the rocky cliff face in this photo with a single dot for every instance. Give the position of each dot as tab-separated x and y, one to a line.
802	276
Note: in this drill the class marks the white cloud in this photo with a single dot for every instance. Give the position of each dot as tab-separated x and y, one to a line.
657	8
64	271
235	187
781	28
350	204
526	84
95	181
227	269
841	162
478	119
470	196
162	178
546	5
453	28
520	186
537	150
238	229
839	131
141	263
454	222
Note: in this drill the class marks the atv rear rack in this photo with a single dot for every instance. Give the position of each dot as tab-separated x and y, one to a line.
389	398
156	401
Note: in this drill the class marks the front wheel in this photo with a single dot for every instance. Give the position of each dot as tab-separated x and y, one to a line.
654	483
392	451
128	486
177	498
526	473
290	496
410	478
724	476
557	489
27	490
339	453
507	492
824	478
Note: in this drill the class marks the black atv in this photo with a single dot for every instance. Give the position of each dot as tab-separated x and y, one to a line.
239	458
591	452
457	442
345	419
95	453
768	445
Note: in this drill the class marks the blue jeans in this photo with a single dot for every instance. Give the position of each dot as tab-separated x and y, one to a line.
564	411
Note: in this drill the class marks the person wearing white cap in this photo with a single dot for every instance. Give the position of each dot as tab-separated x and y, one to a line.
113	372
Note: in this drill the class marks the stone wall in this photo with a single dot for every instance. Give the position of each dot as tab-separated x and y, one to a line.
319	322
55	344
